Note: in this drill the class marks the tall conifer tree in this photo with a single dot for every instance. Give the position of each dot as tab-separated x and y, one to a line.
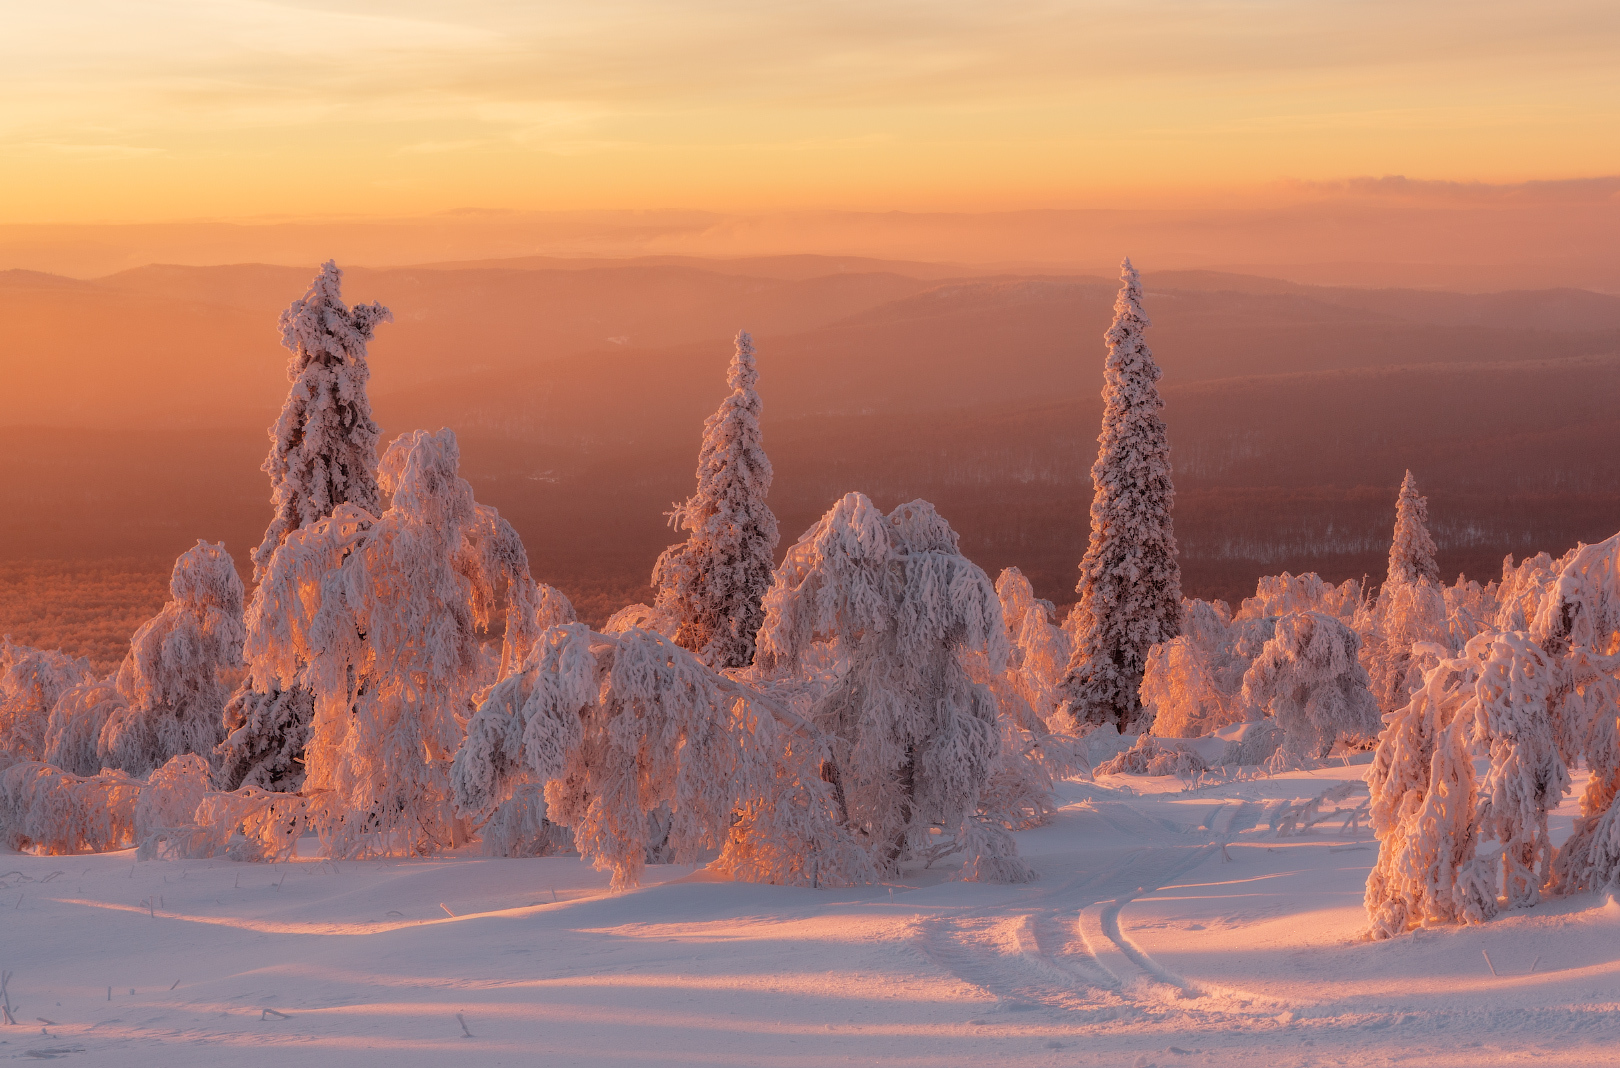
323	453
323	448
1130	583
711	585
1411	554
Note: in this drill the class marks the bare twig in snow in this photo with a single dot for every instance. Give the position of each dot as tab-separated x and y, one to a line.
1488	963
464	1032
265	1014
447	911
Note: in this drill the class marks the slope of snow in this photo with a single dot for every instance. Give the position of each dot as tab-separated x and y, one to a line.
1168	928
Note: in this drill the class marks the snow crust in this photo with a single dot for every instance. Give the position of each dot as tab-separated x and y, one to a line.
1164	920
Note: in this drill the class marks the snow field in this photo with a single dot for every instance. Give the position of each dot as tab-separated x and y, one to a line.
1140	939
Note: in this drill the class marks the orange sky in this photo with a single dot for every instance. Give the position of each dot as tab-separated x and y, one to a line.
146	110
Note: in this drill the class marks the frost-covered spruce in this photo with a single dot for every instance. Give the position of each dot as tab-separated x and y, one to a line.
1130	583
1411	553
181	669
915	737
323	447
712	584
1309	679
323	453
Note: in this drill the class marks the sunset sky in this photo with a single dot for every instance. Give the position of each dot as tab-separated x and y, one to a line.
147	110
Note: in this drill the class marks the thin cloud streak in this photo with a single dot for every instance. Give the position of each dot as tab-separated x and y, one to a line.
1017	101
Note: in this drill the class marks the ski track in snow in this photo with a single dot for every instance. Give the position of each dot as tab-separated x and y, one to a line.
1167	928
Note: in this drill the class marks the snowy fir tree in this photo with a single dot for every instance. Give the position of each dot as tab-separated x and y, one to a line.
711	584
323	453
323	447
1411	553
1130	583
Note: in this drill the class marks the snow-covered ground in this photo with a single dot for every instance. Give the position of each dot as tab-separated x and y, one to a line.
1168	928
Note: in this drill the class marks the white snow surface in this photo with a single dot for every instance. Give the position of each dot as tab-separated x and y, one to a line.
1169	927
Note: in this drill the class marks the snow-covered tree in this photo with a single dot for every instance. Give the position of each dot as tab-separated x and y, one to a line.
323	453
1130	583
46	809
73	736
914	737
1278	595
323	448
31	682
1192	684
1423	807
373	616
1309	679
182	667
712	583
1040	648
1578	626
1528	777
1404	615
1411	553
618	726
1524	587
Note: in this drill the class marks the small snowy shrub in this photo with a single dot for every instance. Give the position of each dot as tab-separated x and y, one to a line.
170	796
1151	756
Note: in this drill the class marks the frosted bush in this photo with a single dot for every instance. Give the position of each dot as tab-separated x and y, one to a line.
1040	650
1578	625
1193	684
1151	756
31	682
1527	777
170	796
182	667
45	809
